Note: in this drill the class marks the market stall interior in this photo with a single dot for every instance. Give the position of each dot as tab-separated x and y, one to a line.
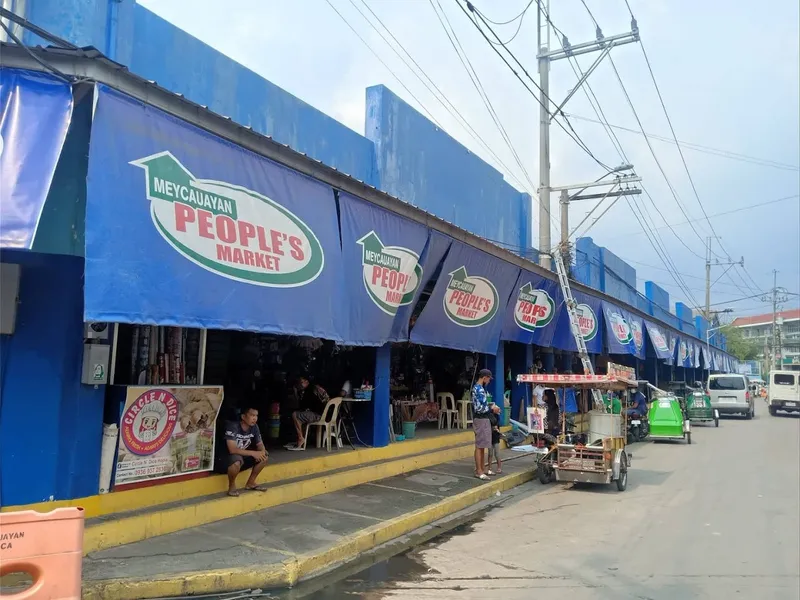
213	376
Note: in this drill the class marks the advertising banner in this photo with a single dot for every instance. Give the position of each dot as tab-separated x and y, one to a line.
465	310
659	340
590	312
386	263
696	355
674	343
624	331
684	357
35	112
167	431
184	228
531	316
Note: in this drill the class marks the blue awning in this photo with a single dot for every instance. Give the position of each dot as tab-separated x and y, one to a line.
659	340
624	331
531	316
388	260
467	306
590	315
35	112
184	228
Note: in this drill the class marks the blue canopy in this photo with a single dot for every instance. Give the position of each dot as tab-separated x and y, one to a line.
590	312
465	310
184	228
531	316
387	262
659	340
35	112
624	331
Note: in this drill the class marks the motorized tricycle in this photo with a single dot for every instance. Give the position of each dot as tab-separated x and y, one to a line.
667	420
699	409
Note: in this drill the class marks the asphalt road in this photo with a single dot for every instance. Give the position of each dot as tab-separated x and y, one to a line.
718	519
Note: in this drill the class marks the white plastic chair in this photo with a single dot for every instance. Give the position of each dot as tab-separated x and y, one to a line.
329	422
447	409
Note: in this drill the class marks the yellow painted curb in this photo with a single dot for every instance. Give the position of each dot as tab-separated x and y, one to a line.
291	571
126	530
129	500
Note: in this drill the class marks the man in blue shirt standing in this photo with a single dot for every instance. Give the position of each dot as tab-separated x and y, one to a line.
480	421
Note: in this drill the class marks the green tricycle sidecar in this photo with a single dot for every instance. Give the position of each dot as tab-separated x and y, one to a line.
667	421
699	409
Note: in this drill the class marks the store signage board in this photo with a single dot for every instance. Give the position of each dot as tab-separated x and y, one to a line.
624	331
35	112
186	229
167	431
590	313
659	340
387	260
531	316
465	310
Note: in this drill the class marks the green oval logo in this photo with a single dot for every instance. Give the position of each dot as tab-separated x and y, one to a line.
469	301
229	230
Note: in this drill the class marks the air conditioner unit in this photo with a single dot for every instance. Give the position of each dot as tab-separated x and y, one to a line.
95	331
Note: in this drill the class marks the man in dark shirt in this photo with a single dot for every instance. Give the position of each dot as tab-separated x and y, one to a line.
312	402
639	408
245	450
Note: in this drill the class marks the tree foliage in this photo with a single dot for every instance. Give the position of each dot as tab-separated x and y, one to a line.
738	345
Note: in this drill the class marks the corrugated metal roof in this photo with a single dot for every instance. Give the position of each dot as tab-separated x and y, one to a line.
787	315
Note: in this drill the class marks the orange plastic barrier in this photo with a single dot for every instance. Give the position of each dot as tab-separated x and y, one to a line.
46	546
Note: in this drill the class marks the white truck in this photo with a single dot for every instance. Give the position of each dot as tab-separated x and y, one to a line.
784	391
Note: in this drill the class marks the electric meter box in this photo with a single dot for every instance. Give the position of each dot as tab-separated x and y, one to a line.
95	364
95	331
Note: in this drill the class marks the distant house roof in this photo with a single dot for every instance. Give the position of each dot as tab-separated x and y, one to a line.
788	315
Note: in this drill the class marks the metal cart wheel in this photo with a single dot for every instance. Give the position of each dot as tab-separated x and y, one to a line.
545	474
622	479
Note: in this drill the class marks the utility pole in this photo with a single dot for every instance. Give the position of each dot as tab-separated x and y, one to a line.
778	296
545	57
709	285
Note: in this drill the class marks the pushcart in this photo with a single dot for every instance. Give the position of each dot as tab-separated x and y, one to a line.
603	459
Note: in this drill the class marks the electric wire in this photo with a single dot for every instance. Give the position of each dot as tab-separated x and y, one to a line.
476	82
572	134
746	158
436	92
376	55
519	16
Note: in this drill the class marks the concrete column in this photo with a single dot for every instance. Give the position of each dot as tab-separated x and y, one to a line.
379	425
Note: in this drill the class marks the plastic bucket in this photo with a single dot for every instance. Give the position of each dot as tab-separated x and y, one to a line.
409	429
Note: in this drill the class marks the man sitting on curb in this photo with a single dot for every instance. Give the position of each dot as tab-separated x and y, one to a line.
245	451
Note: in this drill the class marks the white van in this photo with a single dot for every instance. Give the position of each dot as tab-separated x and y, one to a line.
730	394
784	391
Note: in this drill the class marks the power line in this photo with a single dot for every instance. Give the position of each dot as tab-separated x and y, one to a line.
735	210
476	82
696	147
436	91
375	54
519	16
573	135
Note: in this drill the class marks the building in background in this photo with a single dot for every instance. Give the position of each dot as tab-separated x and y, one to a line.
758	329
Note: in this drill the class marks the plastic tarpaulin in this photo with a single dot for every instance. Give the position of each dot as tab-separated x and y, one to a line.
184	228
624	332
684	353
660	341
35	112
466	309
387	260
590	313
696	355
532	313
674	342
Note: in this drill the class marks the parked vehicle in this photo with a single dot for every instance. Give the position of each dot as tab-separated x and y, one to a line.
730	394
784	391
638	429
699	409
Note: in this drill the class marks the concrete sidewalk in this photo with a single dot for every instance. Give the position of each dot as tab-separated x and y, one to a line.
282	545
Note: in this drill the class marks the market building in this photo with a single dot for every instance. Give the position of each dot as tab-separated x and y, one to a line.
165	266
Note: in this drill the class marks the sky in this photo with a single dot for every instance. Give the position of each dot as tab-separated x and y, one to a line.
727	72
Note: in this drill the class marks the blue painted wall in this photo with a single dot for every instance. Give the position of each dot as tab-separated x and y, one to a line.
423	165
620	280
685	318
588	264
50	425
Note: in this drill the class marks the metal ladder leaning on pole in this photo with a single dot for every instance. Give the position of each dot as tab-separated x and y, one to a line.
569	300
